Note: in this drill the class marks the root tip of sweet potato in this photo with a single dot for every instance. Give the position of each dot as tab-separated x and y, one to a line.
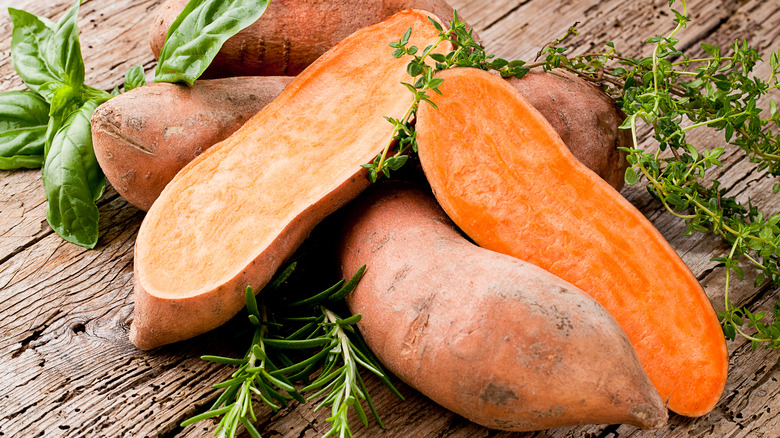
649	416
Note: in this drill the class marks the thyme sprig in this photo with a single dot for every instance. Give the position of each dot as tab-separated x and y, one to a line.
466	53
673	95
293	341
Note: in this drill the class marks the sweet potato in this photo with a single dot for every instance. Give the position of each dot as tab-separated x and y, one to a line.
141	154
585	118
235	213
490	337
292	33
144	137
506	179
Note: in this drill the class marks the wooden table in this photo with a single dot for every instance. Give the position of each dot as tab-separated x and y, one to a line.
67	368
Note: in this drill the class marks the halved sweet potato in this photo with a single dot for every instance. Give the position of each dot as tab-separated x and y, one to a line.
142	138
235	213
490	337
506	179
291	34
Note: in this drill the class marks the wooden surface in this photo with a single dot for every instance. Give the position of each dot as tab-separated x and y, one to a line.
67	368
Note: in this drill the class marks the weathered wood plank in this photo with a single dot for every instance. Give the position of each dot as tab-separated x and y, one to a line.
68	369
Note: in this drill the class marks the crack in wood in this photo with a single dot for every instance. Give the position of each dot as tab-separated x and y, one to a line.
505	15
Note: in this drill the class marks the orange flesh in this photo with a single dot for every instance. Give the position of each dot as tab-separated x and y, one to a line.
222	210
507	180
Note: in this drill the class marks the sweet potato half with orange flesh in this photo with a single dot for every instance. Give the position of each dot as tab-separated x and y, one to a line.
142	138
506	179
291	34
234	214
484	334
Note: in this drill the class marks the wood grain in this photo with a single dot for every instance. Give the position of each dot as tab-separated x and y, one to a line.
68	370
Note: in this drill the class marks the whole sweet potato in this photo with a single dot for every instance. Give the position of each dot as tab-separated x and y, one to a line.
291	34
490	337
140	153
144	137
584	116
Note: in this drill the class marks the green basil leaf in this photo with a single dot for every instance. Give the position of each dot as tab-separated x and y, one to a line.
63	54
21	162
64	98
21	109
135	78
29	42
23	119
198	33
73	180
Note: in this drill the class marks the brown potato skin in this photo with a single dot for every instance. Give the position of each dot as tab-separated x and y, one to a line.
144	137
490	337
291	34
585	118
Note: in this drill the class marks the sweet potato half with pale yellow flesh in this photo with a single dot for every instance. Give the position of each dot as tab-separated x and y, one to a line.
486	335
235	213
291	34
506	179
142	138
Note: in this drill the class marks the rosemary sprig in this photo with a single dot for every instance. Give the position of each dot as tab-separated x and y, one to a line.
295	339
251	379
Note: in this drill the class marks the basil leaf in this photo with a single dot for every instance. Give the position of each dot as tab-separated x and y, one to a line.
73	180
63	54
21	109
64	98
29	42
21	162
198	33
23	119
134	78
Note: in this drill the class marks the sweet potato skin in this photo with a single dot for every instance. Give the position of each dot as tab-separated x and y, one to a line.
291	34
490	337
231	217
142	138
538	203
585	118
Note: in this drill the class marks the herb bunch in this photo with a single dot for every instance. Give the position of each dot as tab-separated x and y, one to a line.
298	340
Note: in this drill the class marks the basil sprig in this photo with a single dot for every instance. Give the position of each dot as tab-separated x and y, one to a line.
49	125
198	33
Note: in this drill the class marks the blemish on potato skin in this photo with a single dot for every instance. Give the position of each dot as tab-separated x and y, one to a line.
498	395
